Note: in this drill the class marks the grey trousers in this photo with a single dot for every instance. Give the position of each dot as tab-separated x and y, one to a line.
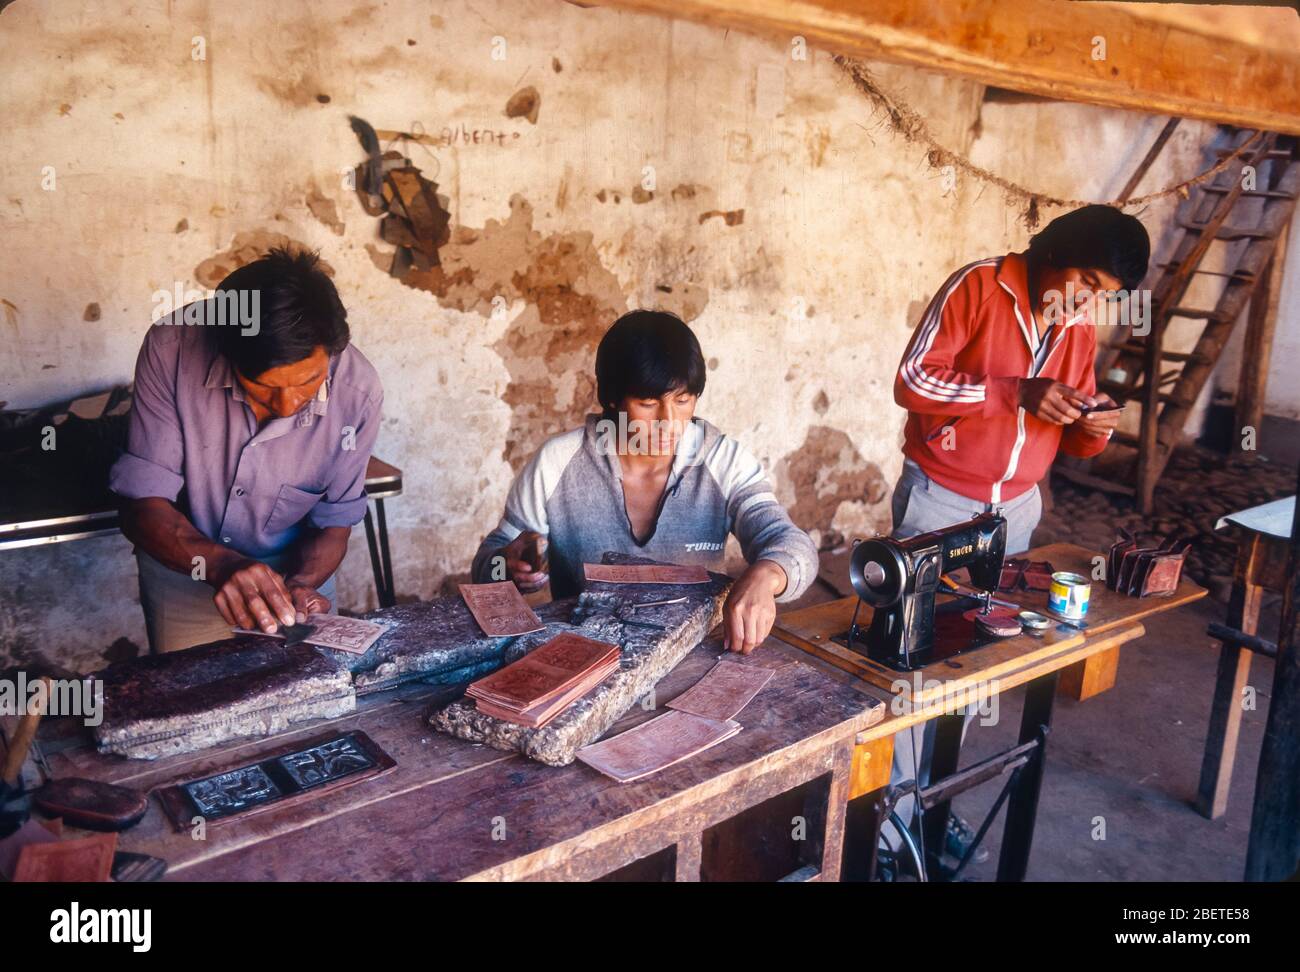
920	505
179	611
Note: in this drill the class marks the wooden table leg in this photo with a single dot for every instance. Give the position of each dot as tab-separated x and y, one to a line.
1092	676
1229	683
1022	805
832	844
689	852
1273	853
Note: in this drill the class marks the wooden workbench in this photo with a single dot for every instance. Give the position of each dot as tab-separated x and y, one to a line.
935	691
816	736
454	810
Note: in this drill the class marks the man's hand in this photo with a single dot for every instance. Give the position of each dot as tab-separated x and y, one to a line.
1051	400
526	561
1100	423
750	611
306	600
251	595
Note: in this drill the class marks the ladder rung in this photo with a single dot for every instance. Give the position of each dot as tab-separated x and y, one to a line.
1119	390
1275	153
1235	275
1176	401
1137	347
1230	233
1196	313
1266	193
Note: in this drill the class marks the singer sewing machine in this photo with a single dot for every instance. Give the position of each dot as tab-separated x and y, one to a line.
899	580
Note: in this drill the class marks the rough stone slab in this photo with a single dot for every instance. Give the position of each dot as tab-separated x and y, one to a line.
435	641
647	656
161	705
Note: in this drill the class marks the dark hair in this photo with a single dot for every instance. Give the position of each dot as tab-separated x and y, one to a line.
646	354
298	310
1094	238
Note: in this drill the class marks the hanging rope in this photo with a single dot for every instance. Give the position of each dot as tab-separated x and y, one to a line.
909	124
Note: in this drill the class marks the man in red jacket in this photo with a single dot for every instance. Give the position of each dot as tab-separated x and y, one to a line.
997	377
999	373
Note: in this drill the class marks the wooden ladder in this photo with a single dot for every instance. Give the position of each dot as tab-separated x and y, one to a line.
1166	384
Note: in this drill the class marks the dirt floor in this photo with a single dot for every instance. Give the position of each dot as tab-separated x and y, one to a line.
1118	797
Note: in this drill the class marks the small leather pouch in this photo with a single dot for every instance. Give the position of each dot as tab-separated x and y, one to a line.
1012	571
1146	570
92	804
1037	576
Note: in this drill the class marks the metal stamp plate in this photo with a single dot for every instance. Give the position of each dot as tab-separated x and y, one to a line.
329	761
287	776
233	792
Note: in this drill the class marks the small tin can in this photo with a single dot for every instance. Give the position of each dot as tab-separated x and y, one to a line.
1068	595
1034	620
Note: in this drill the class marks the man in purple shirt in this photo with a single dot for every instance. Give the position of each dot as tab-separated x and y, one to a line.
251	427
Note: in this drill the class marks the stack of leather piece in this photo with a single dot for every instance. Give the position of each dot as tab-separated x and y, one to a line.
538	687
1146	569
1021	573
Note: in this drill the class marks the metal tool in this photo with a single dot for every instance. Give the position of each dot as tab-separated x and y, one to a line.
1081	625
984	597
899	579
296	634
670	600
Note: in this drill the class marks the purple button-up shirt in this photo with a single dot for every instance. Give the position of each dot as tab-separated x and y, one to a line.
194	441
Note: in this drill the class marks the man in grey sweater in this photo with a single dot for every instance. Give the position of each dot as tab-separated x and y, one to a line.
646	477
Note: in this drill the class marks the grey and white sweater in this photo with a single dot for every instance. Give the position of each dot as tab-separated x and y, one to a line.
571	492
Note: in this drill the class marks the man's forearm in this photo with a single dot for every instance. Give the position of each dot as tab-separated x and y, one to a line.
317	556
166	534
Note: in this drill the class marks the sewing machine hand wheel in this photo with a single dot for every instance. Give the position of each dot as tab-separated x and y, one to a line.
877	572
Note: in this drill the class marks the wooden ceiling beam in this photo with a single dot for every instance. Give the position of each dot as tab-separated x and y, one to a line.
1040	47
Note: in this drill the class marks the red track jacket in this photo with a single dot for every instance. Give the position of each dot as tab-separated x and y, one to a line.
967	358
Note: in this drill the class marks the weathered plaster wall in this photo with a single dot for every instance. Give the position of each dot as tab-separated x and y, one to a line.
800	236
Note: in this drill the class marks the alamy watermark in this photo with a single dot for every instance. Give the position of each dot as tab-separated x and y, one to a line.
218	308
81	698
978	698
1103	308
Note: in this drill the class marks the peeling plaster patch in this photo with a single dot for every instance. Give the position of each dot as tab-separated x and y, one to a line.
65	109
821	403
640	195
826	471
11	312
245	248
92	312
818	140
556	66
686	190
324	209
570	299
732	217
299	89
687	301
524	103
182	226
